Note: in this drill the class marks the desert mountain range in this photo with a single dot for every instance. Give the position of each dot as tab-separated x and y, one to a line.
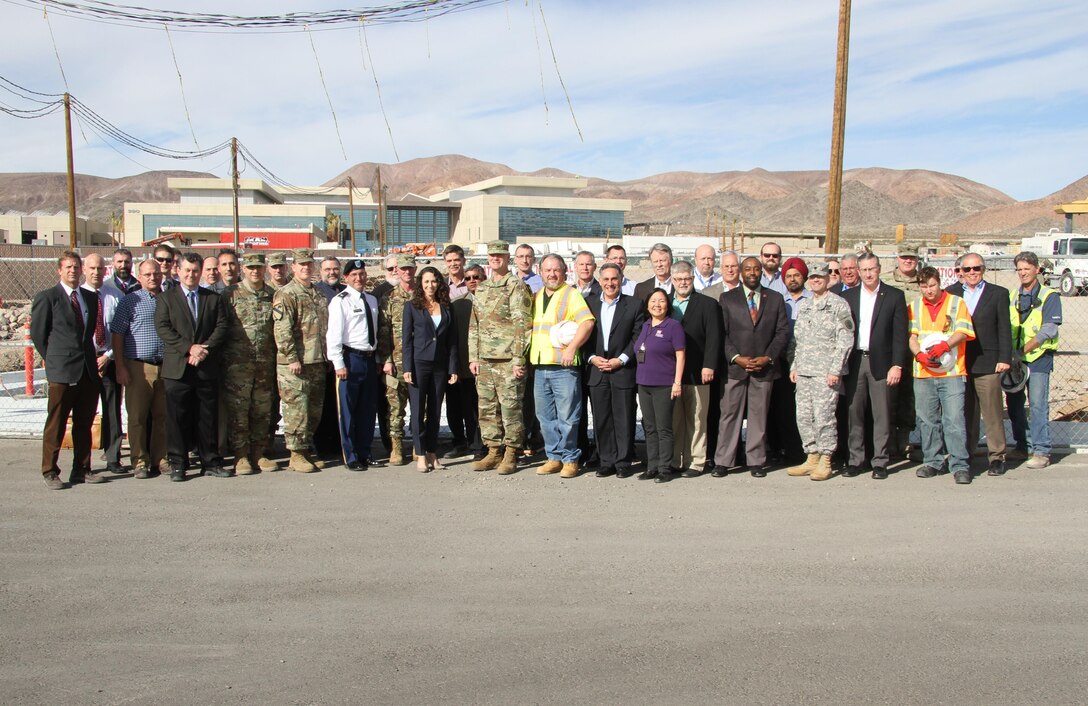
874	199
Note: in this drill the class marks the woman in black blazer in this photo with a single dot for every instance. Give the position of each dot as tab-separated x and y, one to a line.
429	347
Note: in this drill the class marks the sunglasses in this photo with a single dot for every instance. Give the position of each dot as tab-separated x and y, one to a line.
834	271
474	278
972	268
165	259
390	269
771	254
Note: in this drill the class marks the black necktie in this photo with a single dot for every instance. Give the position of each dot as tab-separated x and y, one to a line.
369	320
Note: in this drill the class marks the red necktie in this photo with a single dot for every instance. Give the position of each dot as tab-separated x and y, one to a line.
78	310
99	328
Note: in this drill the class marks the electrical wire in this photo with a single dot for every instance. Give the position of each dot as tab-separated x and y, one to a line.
182	21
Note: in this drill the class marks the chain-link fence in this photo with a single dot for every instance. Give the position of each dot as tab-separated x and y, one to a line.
24	414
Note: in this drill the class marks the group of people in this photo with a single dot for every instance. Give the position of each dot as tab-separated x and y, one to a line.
758	364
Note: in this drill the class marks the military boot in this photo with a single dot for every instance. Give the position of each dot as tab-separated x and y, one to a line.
396	456
492	459
509	462
550	466
300	464
260	460
808	466
242	465
822	471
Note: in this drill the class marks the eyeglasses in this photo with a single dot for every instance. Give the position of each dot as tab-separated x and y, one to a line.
165	259
972	268
390	269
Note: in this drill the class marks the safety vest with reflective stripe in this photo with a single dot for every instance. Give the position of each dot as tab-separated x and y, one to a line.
1024	331
566	304
952	317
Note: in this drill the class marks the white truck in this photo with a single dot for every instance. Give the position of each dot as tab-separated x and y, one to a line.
1068	258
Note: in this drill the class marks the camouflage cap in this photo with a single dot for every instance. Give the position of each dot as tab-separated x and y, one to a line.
352	265
907	250
406	260
277	258
253	259
302	256
819	269
498	247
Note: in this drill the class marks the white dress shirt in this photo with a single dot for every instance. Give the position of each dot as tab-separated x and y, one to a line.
348	325
865	316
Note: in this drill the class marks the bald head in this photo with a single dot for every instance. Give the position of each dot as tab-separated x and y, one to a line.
94	270
704	261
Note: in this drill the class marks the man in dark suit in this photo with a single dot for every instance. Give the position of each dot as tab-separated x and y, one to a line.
876	364
193	327
610	375
585	267
661	262
755	333
701	320
988	355
62	326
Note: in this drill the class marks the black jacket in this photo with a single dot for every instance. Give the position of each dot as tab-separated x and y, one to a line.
420	340
993	333
174	324
889	331
626	324
56	333
702	324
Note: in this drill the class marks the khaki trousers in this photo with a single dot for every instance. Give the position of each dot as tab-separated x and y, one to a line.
689	427
984	396
145	400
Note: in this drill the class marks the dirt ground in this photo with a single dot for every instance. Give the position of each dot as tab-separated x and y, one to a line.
391	586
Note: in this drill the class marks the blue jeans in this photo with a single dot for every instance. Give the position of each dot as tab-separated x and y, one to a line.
938	404
558	393
1038	421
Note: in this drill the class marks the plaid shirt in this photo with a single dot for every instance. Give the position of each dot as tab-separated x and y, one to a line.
134	319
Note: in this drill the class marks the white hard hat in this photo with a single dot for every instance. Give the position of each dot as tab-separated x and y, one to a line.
948	360
563	333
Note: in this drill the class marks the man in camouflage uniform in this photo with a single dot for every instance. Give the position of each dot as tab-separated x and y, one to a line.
823	337
905	277
301	319
498	336
390	327
249	367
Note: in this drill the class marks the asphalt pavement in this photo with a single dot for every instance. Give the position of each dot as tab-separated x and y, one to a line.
392	586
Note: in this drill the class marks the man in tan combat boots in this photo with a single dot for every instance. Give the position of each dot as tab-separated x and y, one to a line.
497	338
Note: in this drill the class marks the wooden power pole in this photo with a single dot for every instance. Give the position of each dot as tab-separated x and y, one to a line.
73	236
351	214
838	131
234	184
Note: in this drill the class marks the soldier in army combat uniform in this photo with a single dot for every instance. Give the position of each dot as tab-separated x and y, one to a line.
497	340
279	274
905	277
390	326
823	337
250	367
301	318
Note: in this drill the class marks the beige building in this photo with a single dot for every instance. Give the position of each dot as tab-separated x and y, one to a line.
51	229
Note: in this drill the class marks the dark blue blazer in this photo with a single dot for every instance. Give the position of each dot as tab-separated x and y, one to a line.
421	341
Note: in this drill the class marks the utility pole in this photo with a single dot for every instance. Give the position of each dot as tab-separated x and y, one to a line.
351	214
838	131
73	236
234	184
381	214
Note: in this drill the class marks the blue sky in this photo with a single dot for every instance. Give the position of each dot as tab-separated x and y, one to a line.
980	88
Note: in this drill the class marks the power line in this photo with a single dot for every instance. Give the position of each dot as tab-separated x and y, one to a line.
182	21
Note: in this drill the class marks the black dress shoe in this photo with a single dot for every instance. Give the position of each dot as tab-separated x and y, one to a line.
997	468
926	472
962	477
177	474
880	473
647	475
356	466
758	471
663	477
691	473
115	468
852	471
605	471
623	472
457	451
719	472
218	472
